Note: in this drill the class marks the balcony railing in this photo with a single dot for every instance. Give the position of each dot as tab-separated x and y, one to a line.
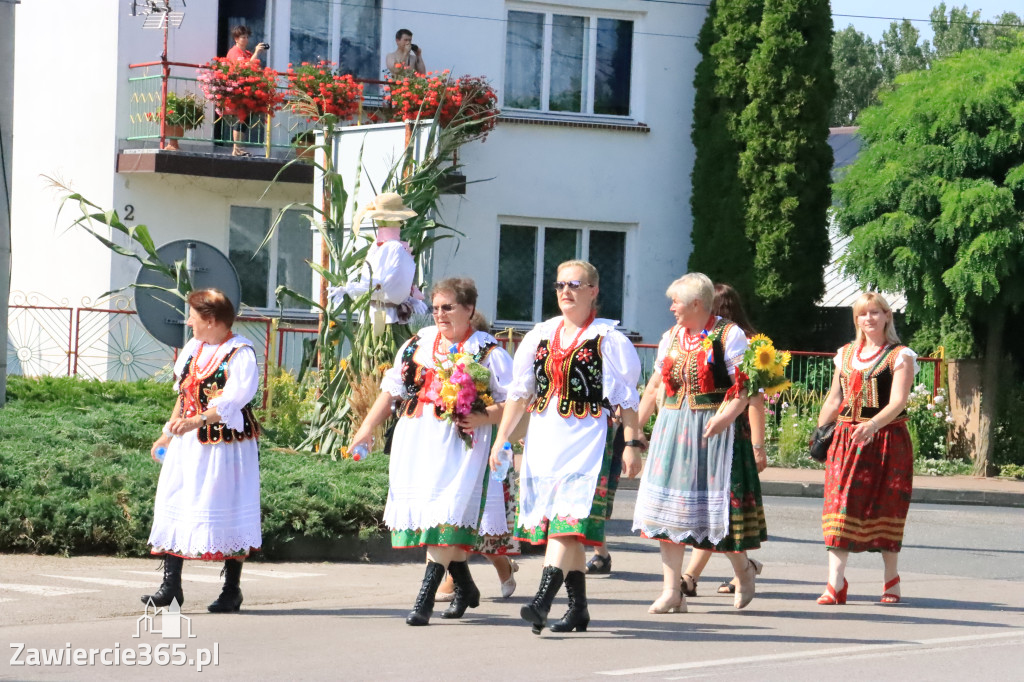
268	136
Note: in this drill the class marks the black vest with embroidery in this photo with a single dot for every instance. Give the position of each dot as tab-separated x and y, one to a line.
582	390
414	377
208	388
875	388
685	371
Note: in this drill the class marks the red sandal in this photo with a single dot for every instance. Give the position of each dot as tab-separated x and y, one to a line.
888	597
831	597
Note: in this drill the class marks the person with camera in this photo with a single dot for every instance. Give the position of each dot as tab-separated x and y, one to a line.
869	472
406	53
239	53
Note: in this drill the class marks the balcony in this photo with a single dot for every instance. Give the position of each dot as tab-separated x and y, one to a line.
270	142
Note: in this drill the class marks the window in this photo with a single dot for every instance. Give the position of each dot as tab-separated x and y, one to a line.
528	259
346	32
568	63
280	262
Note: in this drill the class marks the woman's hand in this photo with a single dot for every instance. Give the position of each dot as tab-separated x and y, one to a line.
631	462
719	423
496	455
179	426
161	442
473	420
864	432
760	458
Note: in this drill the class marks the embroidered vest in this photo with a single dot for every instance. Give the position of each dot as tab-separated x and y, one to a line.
204	389
415	378
581	392
698	384
875	385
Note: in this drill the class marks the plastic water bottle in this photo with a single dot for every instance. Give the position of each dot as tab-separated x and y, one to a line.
160	452
360	452
498	475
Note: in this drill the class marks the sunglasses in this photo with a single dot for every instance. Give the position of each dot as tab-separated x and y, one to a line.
447	308
573	285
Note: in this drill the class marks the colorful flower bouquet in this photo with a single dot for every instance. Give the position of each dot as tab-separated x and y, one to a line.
762	369
323	92
240	88
460	385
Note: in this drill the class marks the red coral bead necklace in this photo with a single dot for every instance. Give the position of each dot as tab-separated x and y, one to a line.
871	357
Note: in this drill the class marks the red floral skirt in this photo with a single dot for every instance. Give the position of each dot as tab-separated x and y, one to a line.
867	490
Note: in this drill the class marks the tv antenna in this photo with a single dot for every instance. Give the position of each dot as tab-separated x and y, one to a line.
161	14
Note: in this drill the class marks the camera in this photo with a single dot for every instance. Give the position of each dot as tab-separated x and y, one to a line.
415	47
265	46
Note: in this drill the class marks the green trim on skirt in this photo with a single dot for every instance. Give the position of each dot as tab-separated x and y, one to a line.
589	531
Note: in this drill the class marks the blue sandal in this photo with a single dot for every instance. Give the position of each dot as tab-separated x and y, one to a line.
599	565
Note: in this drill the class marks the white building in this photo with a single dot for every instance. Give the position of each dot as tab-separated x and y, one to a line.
590	159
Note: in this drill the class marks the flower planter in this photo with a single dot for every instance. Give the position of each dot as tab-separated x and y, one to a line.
171	132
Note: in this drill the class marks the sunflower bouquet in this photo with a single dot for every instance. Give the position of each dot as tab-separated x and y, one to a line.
460	385
763	368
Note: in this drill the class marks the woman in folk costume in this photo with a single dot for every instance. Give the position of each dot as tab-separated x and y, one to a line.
438	470
567	371
870	467
208	497
700	484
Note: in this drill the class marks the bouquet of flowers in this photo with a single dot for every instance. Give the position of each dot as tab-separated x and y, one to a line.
240	88
460	385
763	369
332	94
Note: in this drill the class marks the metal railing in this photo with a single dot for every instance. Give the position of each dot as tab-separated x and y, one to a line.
149	83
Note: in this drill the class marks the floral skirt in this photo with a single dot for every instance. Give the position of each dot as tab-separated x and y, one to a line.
507	543
589	531
867	490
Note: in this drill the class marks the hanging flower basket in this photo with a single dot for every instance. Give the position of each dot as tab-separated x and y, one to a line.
239	89
469	101
319	91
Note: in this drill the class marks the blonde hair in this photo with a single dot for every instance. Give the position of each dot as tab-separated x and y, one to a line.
595	279
693	286
862	302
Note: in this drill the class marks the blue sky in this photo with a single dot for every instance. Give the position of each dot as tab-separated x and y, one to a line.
910	9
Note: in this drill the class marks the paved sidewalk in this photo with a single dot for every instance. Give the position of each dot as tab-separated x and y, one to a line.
993	492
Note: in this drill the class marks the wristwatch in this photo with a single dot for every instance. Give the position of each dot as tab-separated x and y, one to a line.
203	418
634	443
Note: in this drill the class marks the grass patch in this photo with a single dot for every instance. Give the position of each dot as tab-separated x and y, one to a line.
76	476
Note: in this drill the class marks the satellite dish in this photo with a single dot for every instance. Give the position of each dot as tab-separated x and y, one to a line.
163	314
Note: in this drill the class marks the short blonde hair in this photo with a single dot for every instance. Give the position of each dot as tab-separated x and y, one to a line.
862	302
693	286
595	279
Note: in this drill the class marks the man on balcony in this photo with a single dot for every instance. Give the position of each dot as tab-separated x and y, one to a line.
406	54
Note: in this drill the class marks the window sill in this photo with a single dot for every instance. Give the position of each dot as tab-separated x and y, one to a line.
567	121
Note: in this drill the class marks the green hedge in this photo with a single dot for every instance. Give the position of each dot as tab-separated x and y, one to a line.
76	476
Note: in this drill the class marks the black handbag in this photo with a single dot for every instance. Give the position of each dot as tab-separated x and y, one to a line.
821	439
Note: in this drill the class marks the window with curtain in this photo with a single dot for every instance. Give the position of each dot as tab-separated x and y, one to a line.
568	63
343	31
282	261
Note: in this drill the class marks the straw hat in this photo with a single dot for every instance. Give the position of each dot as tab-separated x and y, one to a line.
386	206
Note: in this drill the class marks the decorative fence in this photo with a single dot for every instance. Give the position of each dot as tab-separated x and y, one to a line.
111	344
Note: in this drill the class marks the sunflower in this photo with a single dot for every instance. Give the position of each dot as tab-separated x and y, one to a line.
778	388
778	370
758	338
764	357
785	358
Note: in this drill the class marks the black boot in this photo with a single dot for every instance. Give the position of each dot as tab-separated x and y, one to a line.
424	606
577	617
466	593
170	588
230	599
536	612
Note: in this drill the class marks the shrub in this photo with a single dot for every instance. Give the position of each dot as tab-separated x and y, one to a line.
929	420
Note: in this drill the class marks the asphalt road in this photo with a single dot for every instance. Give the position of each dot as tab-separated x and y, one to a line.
962	570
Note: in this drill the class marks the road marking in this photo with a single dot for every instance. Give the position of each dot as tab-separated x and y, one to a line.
44	590
101	581
283	575
814	653
186	577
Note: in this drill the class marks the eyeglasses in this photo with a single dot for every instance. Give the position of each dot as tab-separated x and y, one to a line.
573	285
447	307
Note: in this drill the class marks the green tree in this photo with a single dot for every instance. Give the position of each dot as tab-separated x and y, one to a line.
935	205
959	31
1005	32
857	73
786	161
720	247
899	51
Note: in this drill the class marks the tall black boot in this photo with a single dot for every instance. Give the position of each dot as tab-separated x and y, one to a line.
577	617
466	593
536	612
424	606
170	588
230	599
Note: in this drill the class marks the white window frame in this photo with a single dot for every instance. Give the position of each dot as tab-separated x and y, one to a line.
271	309
590	65
585	228
280	26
